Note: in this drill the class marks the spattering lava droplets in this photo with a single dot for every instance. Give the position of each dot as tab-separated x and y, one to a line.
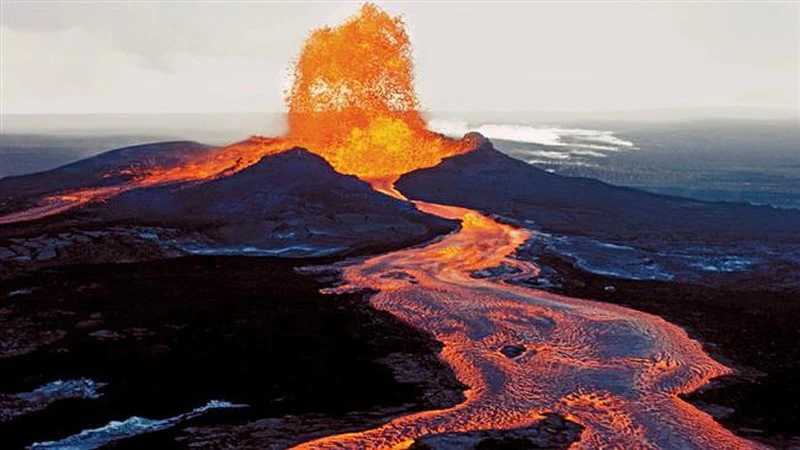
352	103
353	100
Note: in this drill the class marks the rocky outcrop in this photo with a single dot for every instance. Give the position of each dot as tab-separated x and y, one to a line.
511	351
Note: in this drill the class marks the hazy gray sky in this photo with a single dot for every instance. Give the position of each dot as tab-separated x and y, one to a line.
180	56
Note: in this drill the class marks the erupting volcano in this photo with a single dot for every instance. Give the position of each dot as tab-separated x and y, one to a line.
352	102
616	372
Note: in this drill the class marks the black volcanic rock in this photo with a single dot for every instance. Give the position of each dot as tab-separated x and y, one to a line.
512	350
288	204
185	331
493	182
106	169
291	199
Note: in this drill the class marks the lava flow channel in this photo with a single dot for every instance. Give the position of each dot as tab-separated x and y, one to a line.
616	371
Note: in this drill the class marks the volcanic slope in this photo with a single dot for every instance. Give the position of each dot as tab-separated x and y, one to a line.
490	181
106	170
288	204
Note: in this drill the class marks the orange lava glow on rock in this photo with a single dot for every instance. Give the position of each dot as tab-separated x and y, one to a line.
352	103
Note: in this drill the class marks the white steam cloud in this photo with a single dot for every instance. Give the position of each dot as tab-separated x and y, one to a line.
552	136
571	146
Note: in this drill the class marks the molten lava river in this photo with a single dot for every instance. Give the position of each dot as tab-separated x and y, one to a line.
616	371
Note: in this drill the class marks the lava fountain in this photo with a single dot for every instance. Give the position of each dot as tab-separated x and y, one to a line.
616	371
352	103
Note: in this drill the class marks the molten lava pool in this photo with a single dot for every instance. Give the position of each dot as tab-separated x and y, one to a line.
616	371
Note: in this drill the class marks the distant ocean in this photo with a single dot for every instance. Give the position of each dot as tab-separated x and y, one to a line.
752	161
755	162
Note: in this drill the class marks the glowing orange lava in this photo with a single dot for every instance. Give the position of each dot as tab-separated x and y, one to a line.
352	102
616	371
